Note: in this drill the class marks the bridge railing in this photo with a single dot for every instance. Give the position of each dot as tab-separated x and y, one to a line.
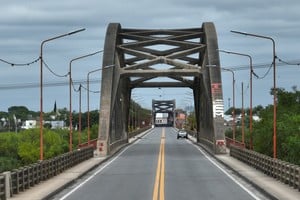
230	141
282	171
114	145
25	177
86	144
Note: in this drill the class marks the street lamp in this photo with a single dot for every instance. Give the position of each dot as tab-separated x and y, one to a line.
41	86
70	93
79	117
274	86
243	115
137	115
251	72
88	102
233	103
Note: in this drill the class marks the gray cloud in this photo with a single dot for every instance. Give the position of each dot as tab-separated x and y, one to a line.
24	25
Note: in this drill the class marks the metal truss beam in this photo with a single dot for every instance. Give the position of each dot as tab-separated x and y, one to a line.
139	56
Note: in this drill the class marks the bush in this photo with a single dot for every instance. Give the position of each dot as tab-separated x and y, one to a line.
29	145
7	163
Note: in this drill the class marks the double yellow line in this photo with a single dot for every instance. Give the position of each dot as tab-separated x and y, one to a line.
159	185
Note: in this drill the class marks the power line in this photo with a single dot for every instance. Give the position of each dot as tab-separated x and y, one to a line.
63	83
46	84
289	62
269	66
264	65
50	70
93	91
20	64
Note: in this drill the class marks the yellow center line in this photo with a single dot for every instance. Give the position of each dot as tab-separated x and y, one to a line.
159	185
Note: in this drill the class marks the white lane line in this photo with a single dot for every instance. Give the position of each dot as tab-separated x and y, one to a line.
225	172
101	169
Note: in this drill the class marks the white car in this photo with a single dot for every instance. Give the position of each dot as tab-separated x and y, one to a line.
182	134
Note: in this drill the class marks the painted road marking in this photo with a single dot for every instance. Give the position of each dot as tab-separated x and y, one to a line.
102	168
159	185
227	174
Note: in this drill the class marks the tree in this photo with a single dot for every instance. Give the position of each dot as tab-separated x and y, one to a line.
20	112
288	127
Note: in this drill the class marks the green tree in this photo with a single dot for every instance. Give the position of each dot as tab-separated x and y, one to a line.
288	127
21	112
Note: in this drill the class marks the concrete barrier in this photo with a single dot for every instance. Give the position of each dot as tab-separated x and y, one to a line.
282	171
23	178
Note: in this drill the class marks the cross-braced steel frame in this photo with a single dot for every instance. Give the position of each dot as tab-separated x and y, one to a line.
164	106
137	58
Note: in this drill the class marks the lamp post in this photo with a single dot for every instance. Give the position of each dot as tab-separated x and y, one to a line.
41	86
251	72
233	103
88	102
274	86
70	94
79	117
243	116
137	112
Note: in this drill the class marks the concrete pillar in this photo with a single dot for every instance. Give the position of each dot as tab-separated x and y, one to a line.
7	176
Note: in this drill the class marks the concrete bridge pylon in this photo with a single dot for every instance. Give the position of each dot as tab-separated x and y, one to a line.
130	61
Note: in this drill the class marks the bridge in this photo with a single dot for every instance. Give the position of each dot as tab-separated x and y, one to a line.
157	166
166	108
135	58
154	164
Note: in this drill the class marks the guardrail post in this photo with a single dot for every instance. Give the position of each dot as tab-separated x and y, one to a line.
298	169
7	184
292	176
26	177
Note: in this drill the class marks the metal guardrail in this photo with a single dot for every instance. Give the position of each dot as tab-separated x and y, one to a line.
230	142
28	176
138	131
116	143
282	171
209	145
113	146
92	143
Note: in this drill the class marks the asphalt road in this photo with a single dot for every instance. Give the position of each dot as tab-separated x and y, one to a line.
158	167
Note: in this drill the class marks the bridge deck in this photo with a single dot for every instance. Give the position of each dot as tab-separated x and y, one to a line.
53	185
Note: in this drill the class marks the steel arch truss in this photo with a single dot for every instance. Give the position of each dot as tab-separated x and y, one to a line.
164	106
137	58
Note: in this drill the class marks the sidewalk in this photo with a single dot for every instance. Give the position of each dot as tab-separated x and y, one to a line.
260	180
264	183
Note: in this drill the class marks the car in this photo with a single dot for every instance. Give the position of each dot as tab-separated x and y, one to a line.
182	134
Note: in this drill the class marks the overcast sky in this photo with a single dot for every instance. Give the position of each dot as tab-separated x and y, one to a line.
25	24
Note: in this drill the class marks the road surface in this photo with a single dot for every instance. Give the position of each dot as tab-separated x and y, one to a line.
159	166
